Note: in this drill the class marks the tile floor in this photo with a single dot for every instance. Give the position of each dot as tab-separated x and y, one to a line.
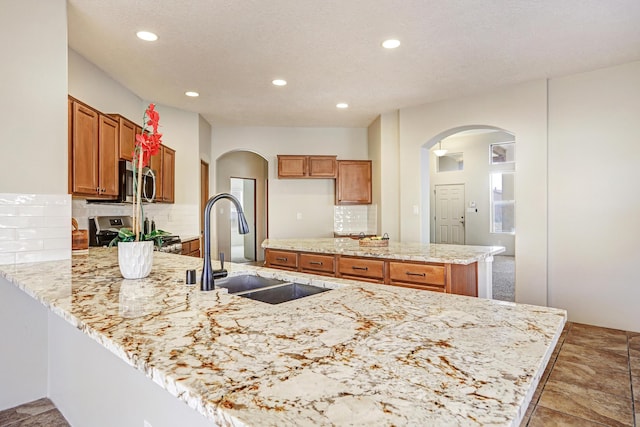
593	379
41	412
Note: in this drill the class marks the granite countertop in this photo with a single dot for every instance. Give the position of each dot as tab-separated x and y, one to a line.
430	252
360	353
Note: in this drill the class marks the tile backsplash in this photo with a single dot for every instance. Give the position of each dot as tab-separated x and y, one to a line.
176	218
34	227
355	219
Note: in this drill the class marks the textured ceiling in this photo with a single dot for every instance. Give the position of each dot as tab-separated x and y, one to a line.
329	51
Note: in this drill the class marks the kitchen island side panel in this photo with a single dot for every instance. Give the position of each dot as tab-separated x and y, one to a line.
23	359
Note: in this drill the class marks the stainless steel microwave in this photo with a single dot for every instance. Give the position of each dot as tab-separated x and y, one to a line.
126	183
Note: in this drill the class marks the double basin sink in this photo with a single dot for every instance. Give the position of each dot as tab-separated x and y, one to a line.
272	291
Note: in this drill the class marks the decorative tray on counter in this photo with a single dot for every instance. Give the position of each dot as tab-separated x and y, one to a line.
374	242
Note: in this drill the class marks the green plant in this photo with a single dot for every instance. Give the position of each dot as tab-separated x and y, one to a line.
127	235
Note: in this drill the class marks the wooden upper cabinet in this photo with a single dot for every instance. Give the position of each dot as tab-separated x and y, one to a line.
322	166
127	139
108	156
84	150
353	183
93	152
292	166
306	166
168	174
163	164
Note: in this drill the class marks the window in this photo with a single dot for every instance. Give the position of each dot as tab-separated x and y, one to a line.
503	152
502	188
450	162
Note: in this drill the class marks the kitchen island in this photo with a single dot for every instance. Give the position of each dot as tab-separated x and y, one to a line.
359	354
457	269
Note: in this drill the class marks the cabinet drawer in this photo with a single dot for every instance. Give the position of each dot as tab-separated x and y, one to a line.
416	273
314	262
282	258
370	268
432	288
190	246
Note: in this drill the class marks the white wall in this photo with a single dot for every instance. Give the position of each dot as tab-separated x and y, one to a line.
475	149
23	360
205	139
180	131
312	198
33	104
91	85
521	110
384	151
594	204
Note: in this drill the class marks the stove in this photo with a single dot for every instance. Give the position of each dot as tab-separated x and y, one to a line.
171	244
103	229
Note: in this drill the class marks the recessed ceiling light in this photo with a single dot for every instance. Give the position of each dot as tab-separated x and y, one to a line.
391	44
342	105
279	82
147	36
192	94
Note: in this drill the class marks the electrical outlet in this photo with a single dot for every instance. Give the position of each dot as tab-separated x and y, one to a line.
299	216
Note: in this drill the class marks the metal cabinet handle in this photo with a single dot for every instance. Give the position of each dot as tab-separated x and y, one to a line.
360	268
315	262
415	274
281	259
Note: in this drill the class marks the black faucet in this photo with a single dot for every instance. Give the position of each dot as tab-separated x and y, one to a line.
206	282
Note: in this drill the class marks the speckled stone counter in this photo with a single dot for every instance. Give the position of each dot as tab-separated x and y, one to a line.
448	254
359	354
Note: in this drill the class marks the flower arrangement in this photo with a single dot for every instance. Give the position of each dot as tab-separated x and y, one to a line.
147	145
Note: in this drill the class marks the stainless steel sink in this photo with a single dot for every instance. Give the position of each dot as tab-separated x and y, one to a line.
272	291
246	282
283	293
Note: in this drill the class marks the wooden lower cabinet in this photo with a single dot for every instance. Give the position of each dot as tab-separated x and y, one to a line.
437	277
370	270
191	248
418	276
286	260
318	264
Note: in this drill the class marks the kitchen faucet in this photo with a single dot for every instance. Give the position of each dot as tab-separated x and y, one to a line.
206	282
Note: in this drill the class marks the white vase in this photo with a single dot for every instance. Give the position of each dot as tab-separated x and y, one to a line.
135	259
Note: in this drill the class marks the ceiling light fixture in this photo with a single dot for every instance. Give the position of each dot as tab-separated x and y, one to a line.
192	94
391	44
440	151
147	36
279	82
342	105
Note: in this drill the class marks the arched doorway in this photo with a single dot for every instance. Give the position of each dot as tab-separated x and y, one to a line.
469	184
243	174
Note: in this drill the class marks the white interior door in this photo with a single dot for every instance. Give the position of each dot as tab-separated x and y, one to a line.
449	220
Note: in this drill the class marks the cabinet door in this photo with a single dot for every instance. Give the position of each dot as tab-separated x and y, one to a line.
353	184
372	269
420	276
281	259
84	152
292	166
168	174
108	156
156	165
319	264
322	166
127	138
